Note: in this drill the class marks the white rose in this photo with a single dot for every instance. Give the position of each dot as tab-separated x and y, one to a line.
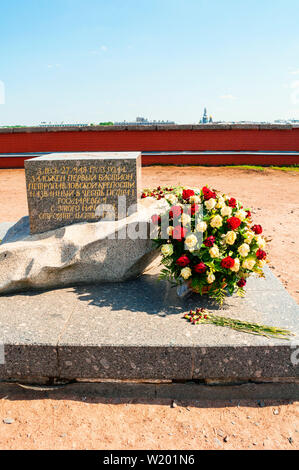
210	278
244	249
195	199
216	221
249	235
169	230
191	241
236	266
171	198
226	211
201	227
230	237
241	214
260	241
248	263
167	249
186	272
214	251
210	204
185	219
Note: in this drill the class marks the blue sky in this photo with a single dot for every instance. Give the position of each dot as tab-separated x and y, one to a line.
95	60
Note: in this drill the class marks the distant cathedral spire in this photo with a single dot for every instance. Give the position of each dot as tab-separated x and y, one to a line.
205	119
205	116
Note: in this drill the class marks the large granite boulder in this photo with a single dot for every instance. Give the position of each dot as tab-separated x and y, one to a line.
97	252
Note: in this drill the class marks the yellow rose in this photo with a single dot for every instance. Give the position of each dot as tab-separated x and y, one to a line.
167	249
261	263
248	263
241	214
201	227
191	241
226	211
216	221
244	249
230	237
220	202
171	198
169	230
260	241
210	278
210	204
195	199
249	235
236	266
186	272
214	251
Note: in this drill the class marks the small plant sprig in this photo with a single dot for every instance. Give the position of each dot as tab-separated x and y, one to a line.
202	316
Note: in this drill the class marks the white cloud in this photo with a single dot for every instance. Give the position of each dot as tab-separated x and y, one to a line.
52	66
295	72
98	51
228	97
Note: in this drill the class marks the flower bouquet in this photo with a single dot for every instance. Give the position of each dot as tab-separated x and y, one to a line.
209	245
208	241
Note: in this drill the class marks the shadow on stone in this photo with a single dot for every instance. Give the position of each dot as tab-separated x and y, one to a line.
146	294
189	394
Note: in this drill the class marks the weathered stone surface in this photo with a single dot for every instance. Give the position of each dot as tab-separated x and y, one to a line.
66	188
81	253
135	330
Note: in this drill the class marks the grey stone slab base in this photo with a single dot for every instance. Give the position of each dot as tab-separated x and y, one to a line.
4	227
135	330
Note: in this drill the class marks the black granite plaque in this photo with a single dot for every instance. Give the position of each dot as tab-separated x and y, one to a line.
66	188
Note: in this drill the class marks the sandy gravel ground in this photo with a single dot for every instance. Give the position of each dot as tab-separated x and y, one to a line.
57	420
68	421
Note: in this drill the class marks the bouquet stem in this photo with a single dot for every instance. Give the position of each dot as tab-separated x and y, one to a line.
202	316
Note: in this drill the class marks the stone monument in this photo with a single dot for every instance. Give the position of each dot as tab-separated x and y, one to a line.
67	188
53	248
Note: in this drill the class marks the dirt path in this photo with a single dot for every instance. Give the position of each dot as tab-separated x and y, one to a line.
57	420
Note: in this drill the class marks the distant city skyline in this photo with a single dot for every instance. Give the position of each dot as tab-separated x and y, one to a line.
142	121
97	61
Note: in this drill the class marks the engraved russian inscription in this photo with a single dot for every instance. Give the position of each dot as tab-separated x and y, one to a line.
63	189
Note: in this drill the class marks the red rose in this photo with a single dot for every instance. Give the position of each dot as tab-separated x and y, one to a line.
183	261
208	194
194	208
257	229
187	193
179	232
143	195
248	214
227	262
232	202
200	268
241	283
209	241
233	223
261	254
156	219
175	211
